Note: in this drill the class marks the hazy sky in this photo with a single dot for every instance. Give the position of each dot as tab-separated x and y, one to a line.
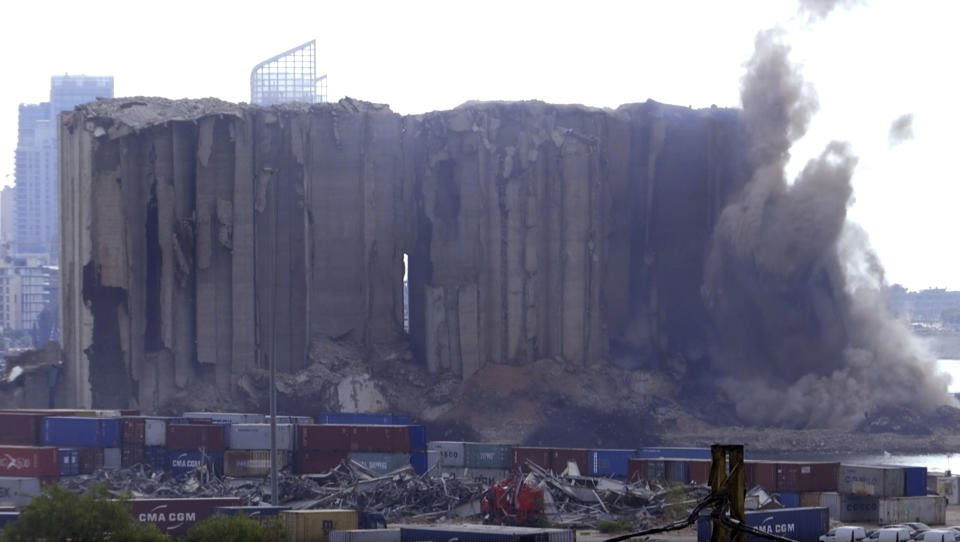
870	65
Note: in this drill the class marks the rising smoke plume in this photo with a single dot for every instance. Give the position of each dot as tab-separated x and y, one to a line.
901	130
816	10
801	334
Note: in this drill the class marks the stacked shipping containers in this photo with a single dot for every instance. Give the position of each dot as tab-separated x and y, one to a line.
376	447
482	462
867	493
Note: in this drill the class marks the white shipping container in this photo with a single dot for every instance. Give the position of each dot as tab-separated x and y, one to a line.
155	432
851	508
296	420
256	436
366	535
949	487
931	509
451	452
111	458
18	491
870	480
486	477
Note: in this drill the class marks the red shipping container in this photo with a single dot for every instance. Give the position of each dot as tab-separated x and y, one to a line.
176	516
132	454
211	438
20	429
129	412
761	473
560	456
317	462
353	438
700	472
90	460
798	476
636	469
542	457
133	430
29	461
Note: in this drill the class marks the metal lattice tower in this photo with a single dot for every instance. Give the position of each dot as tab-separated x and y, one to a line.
290	76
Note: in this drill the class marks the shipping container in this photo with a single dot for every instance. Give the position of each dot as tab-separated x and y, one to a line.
851	508
540	457
932	480
90	459
487	456
176	516
10	517
811	499
255	512
678	470
610	463
871	480
366	535
700	473
636	469
19	491
673	453
212	437
112	458
354	438
451	452
316	462
252	463
68	461
155	432
424	461
292	420
789	500
224	418
256	436
800	524
914	481
560	457
483	533
155	457
418	437
182	462
379	462
29	461
485	477
761	473
81	431
796	476
133	430
363	418
132	454
20	428
653	470
316	525
931	510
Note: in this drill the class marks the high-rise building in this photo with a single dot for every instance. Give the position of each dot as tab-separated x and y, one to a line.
26	288
36	206
7	207
290	76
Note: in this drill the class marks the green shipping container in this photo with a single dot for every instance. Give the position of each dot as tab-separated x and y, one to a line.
486	456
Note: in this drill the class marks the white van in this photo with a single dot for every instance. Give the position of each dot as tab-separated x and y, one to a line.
940	535
845	534
894	534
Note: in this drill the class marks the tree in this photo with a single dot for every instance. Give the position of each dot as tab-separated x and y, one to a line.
237	528
58	515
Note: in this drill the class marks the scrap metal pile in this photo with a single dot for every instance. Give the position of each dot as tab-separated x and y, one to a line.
567	499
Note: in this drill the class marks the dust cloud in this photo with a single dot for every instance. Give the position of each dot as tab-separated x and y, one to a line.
801	335
901	130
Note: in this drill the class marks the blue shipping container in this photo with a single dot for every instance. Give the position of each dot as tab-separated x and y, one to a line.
72	431
68	460
8	517
156	457
609	462
363	418
111	432
789	500
800	524
252	511
914	481
180	462
418	460
483	533
418	438
673	453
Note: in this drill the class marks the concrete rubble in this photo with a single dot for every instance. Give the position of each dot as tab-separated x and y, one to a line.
202	239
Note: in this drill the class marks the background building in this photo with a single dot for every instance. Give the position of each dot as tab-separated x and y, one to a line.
288	77
35	223
26	289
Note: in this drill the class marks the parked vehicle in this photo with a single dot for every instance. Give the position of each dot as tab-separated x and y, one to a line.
894	534
940	535
844	534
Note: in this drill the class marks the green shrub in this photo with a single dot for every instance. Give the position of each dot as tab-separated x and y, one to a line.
238	528
58	515
611	526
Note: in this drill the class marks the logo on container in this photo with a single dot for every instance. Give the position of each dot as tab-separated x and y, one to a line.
161	517
184	462
776	528
14	463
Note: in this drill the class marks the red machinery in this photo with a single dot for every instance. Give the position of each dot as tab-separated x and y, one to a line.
513	502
